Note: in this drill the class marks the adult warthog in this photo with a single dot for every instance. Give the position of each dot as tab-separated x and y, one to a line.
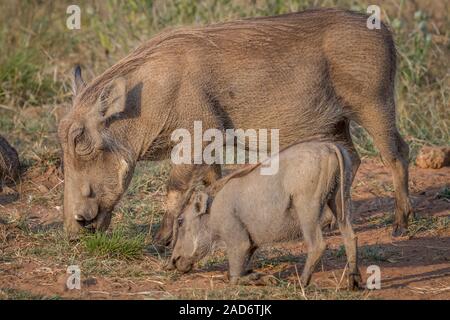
306	73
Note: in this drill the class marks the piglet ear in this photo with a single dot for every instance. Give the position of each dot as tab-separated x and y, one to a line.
112	99
201	203
78	83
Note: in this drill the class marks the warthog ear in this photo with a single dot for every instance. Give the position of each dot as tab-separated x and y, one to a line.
112	99
201	203
78	83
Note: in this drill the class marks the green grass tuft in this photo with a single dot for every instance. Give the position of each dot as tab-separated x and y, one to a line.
116	244
373	253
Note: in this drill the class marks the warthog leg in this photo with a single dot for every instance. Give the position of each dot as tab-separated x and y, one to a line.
395	154
312	234
239	250
350	240
350	243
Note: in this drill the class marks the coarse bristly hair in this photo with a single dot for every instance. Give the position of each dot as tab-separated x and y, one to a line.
258	29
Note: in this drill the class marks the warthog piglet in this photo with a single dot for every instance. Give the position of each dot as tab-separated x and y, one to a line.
246	210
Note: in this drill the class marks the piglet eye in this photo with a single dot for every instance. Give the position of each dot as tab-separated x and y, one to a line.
180	221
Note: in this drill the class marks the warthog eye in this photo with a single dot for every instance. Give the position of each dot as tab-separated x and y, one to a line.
180	222
84	145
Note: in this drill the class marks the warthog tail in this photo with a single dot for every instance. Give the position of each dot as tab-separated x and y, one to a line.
344	172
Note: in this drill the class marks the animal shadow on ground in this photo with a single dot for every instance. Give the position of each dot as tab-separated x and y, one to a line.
415	253
409	279
425	204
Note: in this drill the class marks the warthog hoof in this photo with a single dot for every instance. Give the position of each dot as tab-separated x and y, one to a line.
402	214
354	281
399	230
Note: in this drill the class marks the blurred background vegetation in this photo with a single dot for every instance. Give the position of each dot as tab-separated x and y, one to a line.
38	52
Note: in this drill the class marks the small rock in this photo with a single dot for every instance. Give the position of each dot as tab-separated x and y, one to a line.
89	282
9	162
433	157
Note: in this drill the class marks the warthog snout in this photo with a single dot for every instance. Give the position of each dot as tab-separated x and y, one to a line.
86	213
181	264
85	221
83	210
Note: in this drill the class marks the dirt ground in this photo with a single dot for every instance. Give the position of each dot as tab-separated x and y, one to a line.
34	257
